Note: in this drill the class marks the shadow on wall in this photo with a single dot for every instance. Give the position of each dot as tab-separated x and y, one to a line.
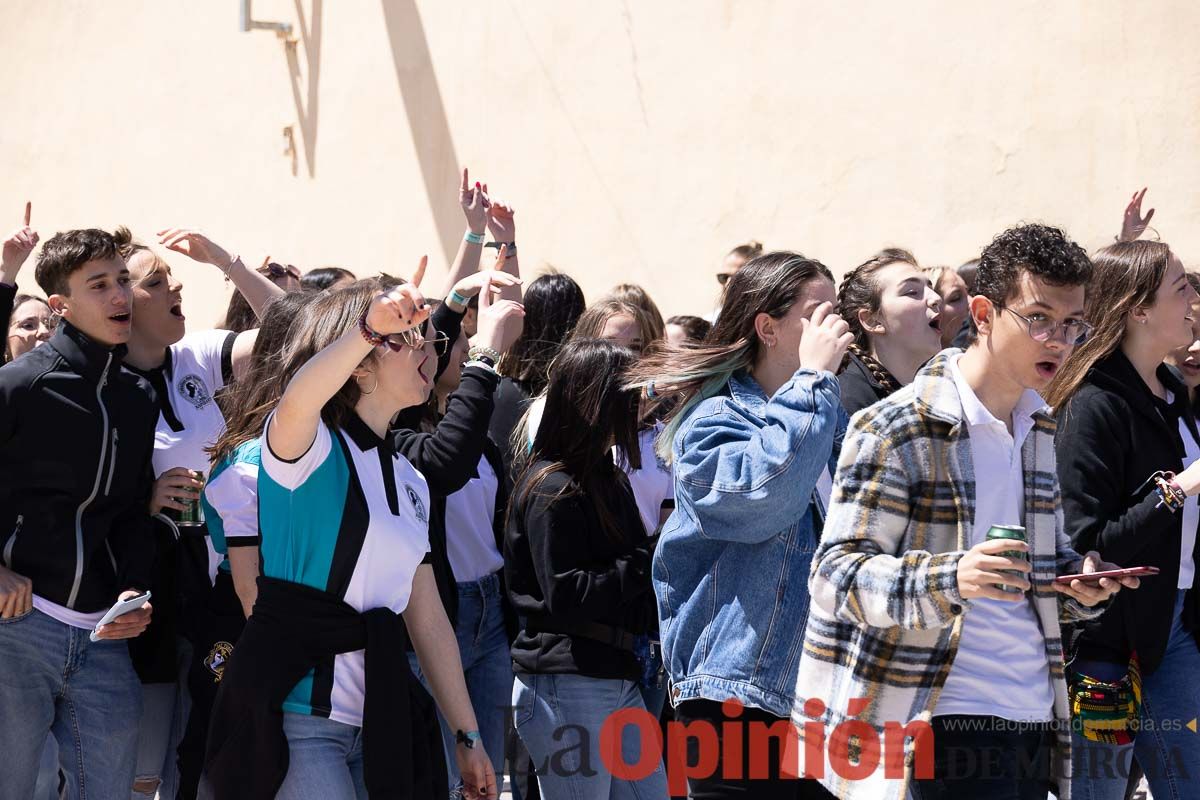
426	118
307	107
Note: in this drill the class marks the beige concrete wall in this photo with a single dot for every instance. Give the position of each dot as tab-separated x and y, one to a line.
638	140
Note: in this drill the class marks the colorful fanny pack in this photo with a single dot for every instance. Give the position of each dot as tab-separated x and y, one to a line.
1106	711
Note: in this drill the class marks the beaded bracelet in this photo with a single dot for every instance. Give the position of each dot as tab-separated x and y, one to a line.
374	339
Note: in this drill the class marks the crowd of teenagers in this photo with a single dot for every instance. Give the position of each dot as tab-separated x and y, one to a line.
402	547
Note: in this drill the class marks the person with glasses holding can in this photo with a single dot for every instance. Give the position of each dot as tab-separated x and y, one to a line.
912	601
1129	464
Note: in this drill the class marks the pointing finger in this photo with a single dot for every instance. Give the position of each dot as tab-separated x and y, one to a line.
485	296
28	208
419	275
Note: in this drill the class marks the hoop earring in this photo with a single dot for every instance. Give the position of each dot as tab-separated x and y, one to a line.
372	389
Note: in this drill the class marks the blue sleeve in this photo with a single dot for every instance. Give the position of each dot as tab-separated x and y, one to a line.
747	479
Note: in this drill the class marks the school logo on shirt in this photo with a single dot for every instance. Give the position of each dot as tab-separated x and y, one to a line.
217	658
192	389
418	506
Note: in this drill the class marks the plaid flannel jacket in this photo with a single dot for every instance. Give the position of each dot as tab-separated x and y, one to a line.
886	612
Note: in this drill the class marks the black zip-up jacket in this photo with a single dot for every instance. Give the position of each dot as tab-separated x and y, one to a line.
448	458
76	438
1111	437
564	571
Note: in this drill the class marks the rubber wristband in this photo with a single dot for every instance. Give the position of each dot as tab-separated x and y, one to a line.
473	238
455	297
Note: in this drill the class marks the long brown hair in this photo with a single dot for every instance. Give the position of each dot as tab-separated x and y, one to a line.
259	384
769	284
1125	275
587	411
321	322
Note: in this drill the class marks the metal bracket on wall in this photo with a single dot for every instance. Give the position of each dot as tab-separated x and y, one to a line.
282	29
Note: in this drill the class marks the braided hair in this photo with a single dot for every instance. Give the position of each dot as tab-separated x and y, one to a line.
878	371
860	290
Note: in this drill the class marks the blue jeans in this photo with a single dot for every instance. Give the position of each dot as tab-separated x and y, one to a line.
165	708
1167	750
325	760
487	667
560	718
53	679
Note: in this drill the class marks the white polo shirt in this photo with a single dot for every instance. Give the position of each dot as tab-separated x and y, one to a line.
1000	669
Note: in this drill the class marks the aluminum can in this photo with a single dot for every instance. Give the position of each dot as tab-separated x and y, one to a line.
1015	533
194	515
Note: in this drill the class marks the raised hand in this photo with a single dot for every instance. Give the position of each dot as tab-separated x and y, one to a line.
824	339
17	247
500	221
473	203
500	322
1134	224
196	246
401	308
471	285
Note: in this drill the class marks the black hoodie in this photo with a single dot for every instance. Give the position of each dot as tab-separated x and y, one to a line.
1113	434
76	438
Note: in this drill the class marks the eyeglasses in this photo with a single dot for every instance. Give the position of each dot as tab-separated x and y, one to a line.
1075	331
410	338
30	324
274	270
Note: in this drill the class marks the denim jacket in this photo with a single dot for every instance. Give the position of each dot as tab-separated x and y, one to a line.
731	568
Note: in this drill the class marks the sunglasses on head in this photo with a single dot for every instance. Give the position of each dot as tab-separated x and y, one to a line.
411	338
276	270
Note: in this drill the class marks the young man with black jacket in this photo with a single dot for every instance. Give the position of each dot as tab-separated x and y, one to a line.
76	435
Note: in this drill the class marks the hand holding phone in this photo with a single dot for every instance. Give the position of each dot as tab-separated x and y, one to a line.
120	609
1094	577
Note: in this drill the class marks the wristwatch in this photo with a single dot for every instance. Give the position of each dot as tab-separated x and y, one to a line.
512	247
467	739
485	354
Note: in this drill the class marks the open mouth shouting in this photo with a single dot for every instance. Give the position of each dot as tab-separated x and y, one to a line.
1048	368
122	318
936	322
177	310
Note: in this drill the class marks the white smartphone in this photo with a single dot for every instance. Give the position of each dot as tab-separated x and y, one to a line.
120	608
